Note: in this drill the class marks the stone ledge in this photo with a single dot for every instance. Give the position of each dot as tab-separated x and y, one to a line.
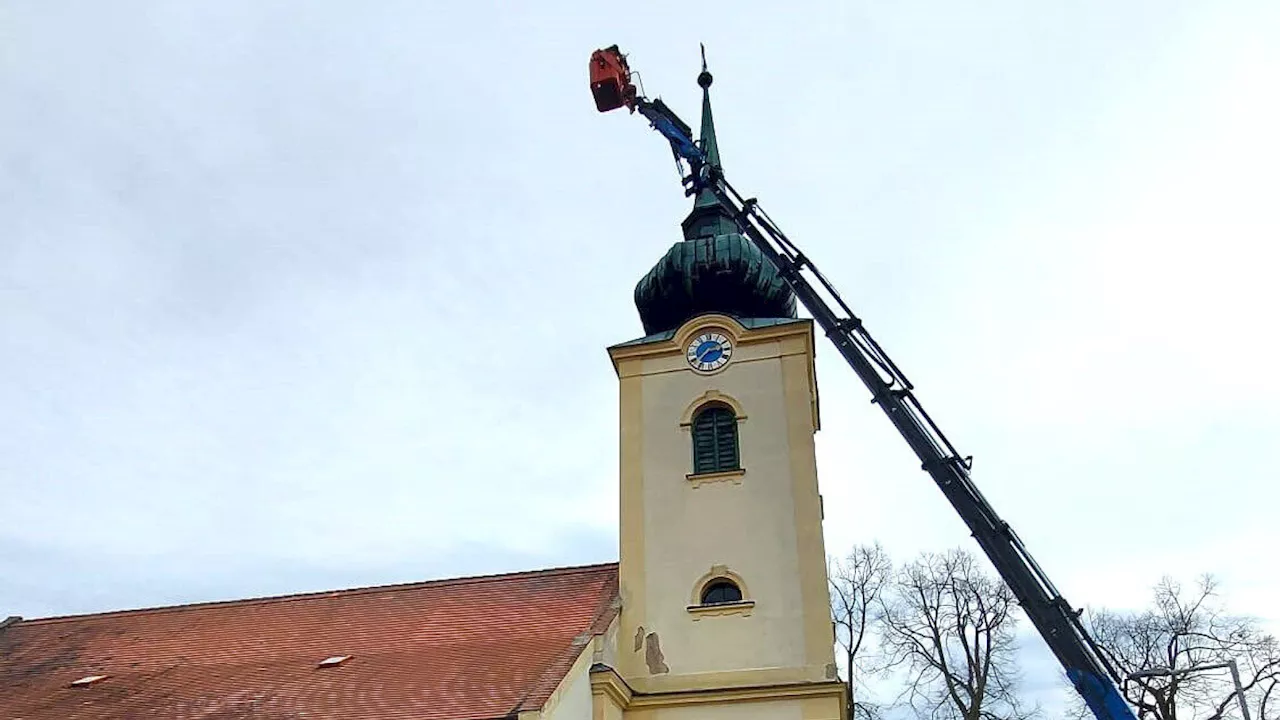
697	480
742	608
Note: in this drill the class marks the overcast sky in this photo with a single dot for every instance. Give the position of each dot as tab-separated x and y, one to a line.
296	296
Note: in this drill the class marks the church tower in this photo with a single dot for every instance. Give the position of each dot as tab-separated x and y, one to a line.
722	571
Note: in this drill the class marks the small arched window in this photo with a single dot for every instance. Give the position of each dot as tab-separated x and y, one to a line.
715	439
721	591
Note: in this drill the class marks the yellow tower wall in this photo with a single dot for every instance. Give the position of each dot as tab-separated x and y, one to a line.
761	526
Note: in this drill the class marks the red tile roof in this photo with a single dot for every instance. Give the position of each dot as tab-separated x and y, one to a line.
461	649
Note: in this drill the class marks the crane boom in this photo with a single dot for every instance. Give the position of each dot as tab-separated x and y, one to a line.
1057	622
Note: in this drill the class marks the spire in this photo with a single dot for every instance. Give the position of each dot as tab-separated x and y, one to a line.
708	131
707	218
714	269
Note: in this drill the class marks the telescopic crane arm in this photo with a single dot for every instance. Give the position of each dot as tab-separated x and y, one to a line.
1057	622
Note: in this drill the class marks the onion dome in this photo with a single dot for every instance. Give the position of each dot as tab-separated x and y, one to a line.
714	269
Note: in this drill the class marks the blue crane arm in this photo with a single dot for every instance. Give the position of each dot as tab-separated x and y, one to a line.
1085	665
665	121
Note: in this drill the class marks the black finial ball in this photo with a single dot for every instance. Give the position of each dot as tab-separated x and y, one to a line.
704	79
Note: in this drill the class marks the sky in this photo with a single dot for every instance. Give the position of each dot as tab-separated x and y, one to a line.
297	297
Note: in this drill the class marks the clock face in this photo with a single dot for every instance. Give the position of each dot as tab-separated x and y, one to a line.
709	351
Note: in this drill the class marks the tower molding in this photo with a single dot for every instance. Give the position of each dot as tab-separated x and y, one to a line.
708	397
718	572
705	322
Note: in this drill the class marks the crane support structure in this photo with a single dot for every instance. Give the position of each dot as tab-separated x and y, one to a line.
1057	622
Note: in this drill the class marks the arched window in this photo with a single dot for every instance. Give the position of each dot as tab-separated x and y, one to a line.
715	439
721	591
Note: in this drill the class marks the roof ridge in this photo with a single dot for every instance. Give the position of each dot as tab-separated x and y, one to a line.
268	599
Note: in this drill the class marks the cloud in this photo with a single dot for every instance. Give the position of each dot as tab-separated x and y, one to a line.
300	301
44	580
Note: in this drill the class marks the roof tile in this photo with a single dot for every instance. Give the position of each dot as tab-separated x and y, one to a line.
463	649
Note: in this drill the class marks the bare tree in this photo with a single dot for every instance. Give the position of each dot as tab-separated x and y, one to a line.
857	584
952	627
1184	629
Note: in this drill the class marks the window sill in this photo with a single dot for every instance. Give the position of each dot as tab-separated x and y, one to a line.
743	608
734	476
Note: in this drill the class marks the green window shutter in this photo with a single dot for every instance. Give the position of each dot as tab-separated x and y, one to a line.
726	441
715	440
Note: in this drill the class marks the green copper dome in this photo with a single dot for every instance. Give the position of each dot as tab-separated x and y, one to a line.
714	269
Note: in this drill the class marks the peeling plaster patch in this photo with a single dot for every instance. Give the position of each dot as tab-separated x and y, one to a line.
653	655
831	671
639	638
